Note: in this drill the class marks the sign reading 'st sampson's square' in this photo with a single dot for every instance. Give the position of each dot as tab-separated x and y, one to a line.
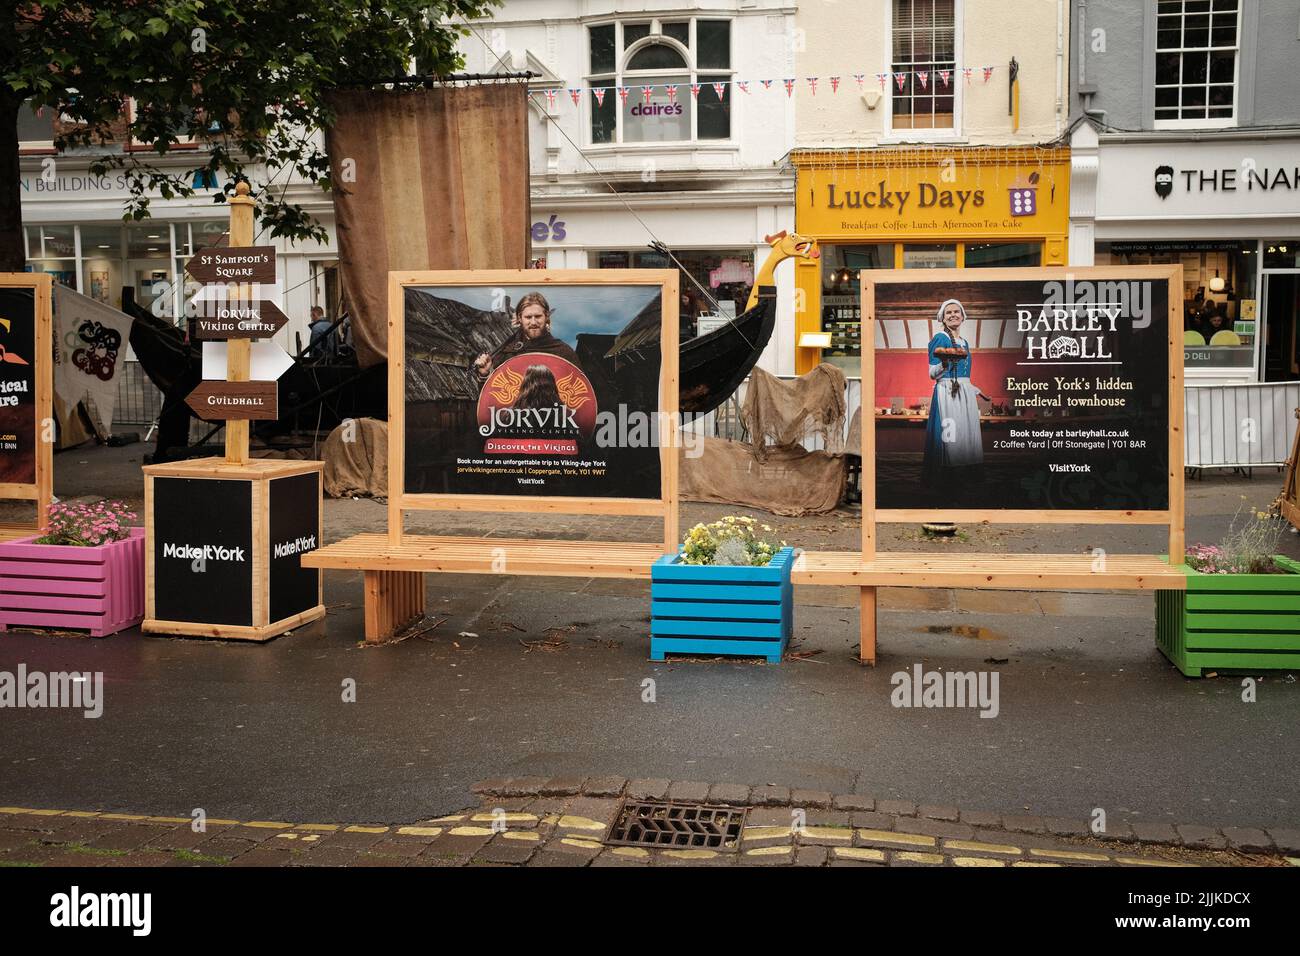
239	264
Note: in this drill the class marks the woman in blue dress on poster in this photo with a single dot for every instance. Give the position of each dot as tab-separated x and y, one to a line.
952	433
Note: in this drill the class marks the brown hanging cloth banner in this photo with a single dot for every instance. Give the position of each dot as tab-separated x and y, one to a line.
425	179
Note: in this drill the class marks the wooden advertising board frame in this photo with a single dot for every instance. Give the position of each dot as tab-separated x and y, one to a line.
41	491
665	506
867	570
1172	516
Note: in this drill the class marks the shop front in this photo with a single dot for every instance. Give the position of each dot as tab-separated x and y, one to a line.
74	231
1227	209
977	207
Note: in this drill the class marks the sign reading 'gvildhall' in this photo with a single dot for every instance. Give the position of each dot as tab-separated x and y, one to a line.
241	320
235	401
239	264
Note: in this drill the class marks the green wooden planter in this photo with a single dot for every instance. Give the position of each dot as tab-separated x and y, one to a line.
1232	622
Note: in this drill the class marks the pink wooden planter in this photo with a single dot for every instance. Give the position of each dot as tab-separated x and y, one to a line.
100	590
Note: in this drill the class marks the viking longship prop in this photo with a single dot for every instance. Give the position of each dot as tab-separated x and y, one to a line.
712	366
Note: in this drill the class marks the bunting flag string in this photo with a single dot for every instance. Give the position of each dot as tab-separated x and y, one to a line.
942	78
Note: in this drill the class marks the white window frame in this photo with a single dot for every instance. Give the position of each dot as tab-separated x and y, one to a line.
955	132
633	80
1207	122
182	142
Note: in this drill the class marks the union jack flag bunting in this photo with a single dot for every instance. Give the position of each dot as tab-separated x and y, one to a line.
901	80
720	89
576	96
695	90
789	87
812	84
988	72
550	98
671	90
599	93
835	84
924	77
646	92
622	93
767	84
945	76
743	86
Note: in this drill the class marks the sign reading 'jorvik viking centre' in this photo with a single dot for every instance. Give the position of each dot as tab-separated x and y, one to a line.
1007	393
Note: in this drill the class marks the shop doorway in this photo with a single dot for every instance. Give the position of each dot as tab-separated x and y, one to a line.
1281	357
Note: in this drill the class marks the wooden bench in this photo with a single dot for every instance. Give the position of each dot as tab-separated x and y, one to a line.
1020	572
394	572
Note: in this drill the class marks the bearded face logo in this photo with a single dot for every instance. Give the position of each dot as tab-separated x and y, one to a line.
1164	181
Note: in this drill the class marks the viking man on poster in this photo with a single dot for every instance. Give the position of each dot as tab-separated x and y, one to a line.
532	321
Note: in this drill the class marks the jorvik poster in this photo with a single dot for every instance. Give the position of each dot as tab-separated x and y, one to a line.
17	385
535	391
1022	394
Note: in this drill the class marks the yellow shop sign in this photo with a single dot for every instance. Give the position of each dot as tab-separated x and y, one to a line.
933	194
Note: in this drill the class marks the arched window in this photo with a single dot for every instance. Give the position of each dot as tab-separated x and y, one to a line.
642	74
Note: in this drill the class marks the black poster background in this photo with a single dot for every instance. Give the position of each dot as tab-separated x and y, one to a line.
295	514
1122	465
446	328
203	511
18	382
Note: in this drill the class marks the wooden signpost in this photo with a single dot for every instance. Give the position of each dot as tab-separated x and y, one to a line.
225	538
26	397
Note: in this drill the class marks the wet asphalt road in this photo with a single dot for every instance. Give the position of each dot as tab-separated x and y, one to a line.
1090	716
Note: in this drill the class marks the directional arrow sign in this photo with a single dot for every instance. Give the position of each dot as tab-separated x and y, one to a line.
267	361
239	320
235	401
239	264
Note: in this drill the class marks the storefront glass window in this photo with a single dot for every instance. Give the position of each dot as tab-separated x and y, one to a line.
1220	303
1282	254
841	302
728	276
930	256
101	262
983	255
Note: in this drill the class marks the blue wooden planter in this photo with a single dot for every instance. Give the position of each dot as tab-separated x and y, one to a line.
705	609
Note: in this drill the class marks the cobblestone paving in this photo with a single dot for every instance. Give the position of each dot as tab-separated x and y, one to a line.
535	821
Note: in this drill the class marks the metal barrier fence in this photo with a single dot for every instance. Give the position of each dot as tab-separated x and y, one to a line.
1227	426
138	399
1240	426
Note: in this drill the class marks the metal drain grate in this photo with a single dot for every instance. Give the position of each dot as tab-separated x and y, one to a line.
679	825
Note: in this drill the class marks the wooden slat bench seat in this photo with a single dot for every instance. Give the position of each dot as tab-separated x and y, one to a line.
969	570
394	572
